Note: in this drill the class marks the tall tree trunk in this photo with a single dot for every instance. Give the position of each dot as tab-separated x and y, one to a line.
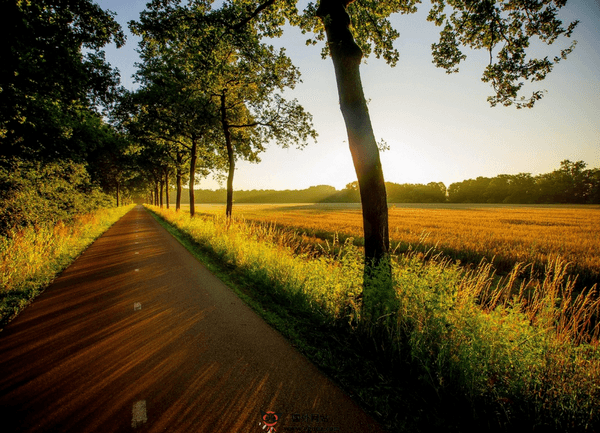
118	185
193	156
230	156
155	193
161	182
167	187
378	291
178	181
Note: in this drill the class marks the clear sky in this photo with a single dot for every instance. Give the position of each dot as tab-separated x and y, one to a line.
440	128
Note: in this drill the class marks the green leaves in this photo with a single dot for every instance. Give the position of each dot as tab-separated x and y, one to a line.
32	193
504	28
193	52
46	80
447	53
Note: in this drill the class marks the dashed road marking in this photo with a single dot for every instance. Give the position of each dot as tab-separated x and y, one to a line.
138	414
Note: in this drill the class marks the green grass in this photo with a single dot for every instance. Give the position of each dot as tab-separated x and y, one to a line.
503	234
465	350
32	257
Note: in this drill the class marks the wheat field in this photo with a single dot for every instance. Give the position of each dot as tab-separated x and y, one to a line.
502	234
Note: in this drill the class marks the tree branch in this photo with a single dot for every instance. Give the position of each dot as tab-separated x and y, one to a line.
254	14
249	125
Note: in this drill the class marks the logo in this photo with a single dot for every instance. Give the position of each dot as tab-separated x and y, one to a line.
269	419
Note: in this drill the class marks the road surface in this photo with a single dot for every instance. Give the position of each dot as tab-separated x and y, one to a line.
136	335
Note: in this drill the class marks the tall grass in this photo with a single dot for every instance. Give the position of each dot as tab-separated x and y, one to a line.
464	348
31	258
530	356
505	234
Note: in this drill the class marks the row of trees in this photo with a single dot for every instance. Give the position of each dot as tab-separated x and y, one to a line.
57	153
571	183
211	90
210	95
434	192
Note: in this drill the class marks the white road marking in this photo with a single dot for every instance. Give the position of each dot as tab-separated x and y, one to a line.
138	414
137	306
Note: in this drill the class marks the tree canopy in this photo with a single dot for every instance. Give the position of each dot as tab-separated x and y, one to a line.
229	80
511	31
55	90
53	74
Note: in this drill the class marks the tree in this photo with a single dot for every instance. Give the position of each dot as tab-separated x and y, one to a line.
346	54
571	183
251	112
48	84
110	159
242	77
355	28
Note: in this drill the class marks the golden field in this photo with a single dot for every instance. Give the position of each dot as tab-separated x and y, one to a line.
505	233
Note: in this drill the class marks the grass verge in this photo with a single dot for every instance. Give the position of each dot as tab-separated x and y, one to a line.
31	258
502	234
465	351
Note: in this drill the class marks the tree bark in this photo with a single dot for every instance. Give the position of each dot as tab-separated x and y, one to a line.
193	156
378	290
230	156
178	181
155	193
161	182
118	184
167	187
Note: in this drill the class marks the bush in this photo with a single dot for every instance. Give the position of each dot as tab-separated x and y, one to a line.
34	193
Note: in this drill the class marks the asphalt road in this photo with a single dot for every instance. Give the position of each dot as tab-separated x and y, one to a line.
136	335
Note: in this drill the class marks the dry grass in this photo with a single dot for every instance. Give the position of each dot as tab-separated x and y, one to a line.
505	235
32	257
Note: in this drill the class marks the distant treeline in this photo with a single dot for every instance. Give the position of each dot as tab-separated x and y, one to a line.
571	183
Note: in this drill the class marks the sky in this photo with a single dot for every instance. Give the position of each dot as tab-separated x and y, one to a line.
439	127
